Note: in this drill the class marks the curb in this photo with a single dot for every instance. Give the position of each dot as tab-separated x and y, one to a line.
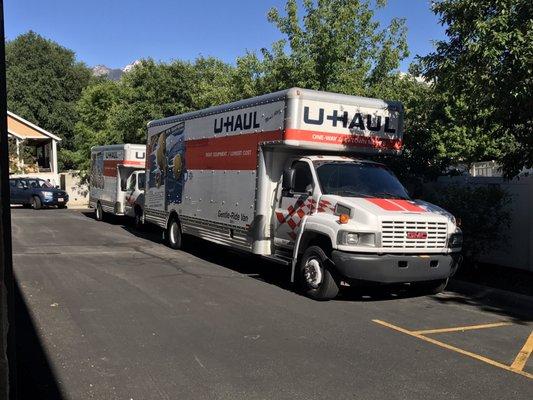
78	207
519	303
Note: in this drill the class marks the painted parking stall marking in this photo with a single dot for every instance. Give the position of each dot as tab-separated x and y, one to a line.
516	367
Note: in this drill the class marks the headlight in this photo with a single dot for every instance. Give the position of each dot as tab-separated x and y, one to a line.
356	239
48	195
456	240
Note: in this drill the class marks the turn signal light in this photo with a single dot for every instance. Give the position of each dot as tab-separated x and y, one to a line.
344	218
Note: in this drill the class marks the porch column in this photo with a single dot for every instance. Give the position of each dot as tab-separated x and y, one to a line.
53	163
17	142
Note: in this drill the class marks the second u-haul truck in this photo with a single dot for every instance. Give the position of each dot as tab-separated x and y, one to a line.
283	176
117	180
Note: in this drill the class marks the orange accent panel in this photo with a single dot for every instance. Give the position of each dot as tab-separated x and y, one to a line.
236	152
342	139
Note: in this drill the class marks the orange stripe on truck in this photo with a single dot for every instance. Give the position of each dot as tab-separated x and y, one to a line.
235	152
348	140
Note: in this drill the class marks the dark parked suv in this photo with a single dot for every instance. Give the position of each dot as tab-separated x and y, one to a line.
36	193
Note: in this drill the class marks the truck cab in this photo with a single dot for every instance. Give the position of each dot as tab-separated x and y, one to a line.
349	219
134	196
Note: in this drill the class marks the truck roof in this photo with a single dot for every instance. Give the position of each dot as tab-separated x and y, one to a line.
340	158
294	92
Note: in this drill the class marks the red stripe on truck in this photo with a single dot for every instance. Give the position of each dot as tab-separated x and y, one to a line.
235	152
386	204
396	205
343	139
110	166
408	205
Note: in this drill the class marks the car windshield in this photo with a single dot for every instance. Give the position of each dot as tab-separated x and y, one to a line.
359	179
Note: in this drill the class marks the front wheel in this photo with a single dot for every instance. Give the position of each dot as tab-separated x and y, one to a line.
98	212
173	234
36	202
316	280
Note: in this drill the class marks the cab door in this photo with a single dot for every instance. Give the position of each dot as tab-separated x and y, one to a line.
129	196
298	198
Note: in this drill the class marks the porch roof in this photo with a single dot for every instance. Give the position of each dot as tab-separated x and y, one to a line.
24	129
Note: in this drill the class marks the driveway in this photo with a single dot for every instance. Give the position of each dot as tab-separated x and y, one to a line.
107	312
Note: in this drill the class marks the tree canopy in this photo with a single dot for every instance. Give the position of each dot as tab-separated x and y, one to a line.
475	103
484	69
44	82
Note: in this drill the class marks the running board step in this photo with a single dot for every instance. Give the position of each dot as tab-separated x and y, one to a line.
279	259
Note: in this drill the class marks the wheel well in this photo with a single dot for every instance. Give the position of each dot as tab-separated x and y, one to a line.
173	215
315	239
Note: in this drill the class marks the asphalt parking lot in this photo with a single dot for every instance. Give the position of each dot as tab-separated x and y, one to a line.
107	312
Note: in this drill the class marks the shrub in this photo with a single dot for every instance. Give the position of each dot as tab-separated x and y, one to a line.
483	211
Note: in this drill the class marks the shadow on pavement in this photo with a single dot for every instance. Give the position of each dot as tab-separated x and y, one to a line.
271	273
509	308
35	377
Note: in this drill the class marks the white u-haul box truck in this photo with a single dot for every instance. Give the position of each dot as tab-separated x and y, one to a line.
117	180
282	176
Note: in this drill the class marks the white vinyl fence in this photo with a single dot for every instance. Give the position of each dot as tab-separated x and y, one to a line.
518	253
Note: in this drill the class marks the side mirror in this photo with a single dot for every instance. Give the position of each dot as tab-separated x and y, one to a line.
288	180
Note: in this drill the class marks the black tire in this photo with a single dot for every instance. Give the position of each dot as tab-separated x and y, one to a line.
173	235
431	287
314	276
139	219
62	206
36	203
98	212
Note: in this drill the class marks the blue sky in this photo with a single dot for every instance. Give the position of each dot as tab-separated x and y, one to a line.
117	32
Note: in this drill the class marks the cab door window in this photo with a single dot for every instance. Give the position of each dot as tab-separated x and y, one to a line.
132	183
303	179
140	181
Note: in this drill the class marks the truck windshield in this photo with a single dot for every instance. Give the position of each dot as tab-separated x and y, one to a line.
359	179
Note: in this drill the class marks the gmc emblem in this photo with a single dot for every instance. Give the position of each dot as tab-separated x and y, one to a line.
417	235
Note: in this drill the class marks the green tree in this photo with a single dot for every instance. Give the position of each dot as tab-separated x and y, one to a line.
44	82
484	70
335	45
92	127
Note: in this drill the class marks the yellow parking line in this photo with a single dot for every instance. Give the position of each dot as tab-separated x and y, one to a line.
453	348
521	359
461	328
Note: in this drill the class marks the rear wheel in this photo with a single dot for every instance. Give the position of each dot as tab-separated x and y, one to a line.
173	234
315	278
98	212
36	203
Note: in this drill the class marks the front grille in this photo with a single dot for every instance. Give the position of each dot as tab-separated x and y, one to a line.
394	234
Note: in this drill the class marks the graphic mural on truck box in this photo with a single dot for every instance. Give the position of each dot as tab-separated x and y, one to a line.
176	174
166	166
97	170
